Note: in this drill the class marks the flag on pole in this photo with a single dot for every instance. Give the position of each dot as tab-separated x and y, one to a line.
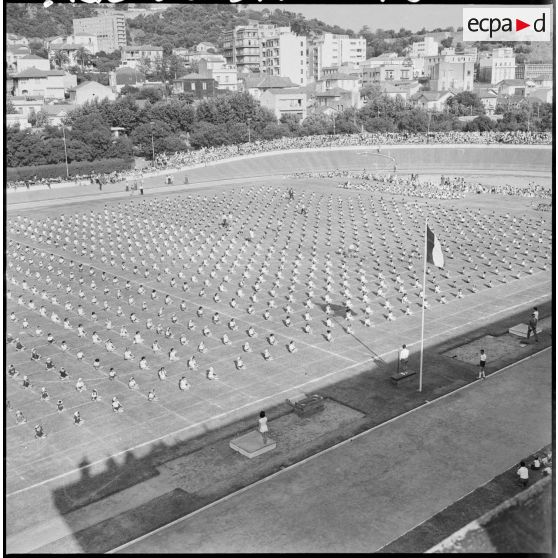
434	254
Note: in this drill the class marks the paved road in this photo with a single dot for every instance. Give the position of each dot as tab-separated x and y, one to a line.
363	494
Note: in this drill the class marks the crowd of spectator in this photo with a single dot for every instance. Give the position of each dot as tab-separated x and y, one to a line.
185	159
449	187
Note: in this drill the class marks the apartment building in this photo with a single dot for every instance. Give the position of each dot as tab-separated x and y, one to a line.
498	67
243	45
534	70
334	50
285	56
110	30
427	47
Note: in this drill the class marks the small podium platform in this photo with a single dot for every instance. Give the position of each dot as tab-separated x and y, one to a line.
520	330
399	378
307	405
251	444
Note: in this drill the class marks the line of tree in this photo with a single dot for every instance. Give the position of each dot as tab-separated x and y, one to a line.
177	124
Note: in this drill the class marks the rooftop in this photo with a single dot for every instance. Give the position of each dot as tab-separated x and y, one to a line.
267	82
36	73
141	47
433	95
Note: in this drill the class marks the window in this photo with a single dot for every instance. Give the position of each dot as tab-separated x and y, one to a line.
204	85
193	86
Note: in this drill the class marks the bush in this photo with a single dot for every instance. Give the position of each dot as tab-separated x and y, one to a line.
76	168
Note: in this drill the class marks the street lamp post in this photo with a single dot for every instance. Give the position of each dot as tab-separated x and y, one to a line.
65	151
428	128
152	144
249	133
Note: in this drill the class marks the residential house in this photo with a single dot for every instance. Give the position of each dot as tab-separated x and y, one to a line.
32	61
544	94
57	113
13	54
12	40
39	83
541	81
257	84
340	80
91	91
387	72
197	85
27	105
515	87
285	101
433	100
346	68
403	90
488	98
225	75
138	55
205	47
18	120
337	98
123	76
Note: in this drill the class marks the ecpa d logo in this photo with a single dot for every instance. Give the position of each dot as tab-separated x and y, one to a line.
507	24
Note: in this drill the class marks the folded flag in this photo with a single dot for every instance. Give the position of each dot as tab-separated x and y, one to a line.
434	254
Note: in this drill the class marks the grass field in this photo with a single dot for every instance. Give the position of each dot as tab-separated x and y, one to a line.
181	234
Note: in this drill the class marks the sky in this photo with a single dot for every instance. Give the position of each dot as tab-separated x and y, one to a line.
376	16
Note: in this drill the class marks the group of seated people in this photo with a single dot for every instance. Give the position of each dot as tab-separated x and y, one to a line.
449	187
187	287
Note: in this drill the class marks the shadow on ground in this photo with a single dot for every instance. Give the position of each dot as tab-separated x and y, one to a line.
370	392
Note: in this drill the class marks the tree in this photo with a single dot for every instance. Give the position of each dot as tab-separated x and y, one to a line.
10	109
466	103
206	134
163	139
82	56
447	42
60	58
292	122
480	124
316	124
39	119
177	115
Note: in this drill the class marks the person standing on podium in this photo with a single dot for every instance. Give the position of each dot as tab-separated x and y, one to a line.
403	359
262	427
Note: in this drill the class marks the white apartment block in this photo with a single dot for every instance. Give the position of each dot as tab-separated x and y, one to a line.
110	30
243	45
335	50
427	47
498	67
285	56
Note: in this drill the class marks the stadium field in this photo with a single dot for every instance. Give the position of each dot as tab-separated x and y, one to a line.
330	259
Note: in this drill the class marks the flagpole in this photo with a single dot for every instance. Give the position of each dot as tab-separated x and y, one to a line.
423	300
